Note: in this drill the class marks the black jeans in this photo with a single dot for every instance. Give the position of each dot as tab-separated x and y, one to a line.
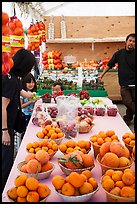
7	158
128	99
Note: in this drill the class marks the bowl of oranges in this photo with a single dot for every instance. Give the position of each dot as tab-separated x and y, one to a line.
72	145
51	133
77	187
101	137
75	161
50	147
129	141
114	155
36	165
28	189
118	185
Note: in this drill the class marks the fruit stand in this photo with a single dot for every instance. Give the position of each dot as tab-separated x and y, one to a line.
101	123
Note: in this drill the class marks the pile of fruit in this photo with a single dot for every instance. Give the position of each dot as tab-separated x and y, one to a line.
72	145
36	163
49	146
75	184
17	38
27	190
119	183
102	137
76	160
7	62
84	95
50	132
52	60
114	155
129	140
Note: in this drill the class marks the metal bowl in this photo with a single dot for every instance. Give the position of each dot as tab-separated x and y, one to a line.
81	198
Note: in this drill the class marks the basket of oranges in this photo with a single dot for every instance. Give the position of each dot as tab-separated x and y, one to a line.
51	133
129	141
98	139
118	185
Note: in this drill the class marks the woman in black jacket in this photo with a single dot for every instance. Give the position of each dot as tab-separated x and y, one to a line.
24	61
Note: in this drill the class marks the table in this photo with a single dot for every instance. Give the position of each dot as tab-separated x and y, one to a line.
101	123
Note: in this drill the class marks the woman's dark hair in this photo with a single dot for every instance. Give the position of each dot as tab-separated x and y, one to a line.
130	35
27	79
24	60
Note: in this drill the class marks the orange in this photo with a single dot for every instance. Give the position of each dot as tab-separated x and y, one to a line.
18	31
43	190
62	147
58	182
93	182
32	196
86	188
22	191
42	156
12	193
33	166
60	134
117	175
81	143
87	173
68	189
35	144
71	143
100	141
109	172
29	156
129	170
110	133
87	160
128	178
105	177
31	150
20	180
21	200
46	167
76	179
119	184
40	134
31	183
58	130
108	184
127	191
5	18
93	138
69	149
48	127
55	147
28	146
19	24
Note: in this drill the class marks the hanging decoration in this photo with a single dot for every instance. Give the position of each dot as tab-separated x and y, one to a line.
7	62
17	38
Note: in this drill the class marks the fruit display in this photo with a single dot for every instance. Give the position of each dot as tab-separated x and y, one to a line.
114	155
112	110
129	140
7	62
98	101
52	60
72	145
17	38
76	187
41	119
33	37
28	189
118	185
97	140
36	165
85	124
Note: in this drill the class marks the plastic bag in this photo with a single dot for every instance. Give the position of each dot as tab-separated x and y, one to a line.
67	115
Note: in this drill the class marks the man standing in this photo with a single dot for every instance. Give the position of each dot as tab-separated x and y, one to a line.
125	58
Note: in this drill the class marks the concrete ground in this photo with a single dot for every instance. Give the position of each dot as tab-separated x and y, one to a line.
122	111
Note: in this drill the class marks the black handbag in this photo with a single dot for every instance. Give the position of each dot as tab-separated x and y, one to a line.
20	123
